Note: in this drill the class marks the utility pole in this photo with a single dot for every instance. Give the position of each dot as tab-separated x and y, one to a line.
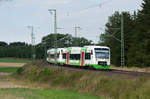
75	31
33	55
122	41
55	31
55	25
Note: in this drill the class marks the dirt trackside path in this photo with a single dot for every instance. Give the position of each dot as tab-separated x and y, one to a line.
2	64
5	83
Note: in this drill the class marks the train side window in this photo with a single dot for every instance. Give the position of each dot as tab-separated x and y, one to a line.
52	55
75	56
71	56
88	56
49	55
64	56
78	56
58	55
91	52
61	52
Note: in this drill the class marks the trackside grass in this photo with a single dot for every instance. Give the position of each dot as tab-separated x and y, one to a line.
9	69
131	69
109	87
14	60
22	93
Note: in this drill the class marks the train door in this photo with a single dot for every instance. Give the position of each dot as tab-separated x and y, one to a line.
49	56
82	58
55	58
67	58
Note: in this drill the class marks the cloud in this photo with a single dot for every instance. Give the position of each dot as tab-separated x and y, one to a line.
5	0
42	4
54	2
85	13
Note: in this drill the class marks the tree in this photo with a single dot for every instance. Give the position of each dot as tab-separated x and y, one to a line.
64	40
112	36
3	43
81	41
139	52
18	44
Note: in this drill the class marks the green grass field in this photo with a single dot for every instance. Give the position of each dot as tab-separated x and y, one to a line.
9	69
25	93
13	60
21	93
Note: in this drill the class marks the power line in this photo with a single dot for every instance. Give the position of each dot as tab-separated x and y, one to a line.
93	6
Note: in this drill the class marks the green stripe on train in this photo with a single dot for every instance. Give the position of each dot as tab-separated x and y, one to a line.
96	66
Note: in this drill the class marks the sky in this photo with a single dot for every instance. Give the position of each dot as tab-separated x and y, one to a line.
90	15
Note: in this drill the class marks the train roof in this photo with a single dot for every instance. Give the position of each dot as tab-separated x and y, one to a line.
58	49
74	47
92	46
61	48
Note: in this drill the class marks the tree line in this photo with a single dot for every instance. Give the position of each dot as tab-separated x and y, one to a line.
15	49
24	50
136	35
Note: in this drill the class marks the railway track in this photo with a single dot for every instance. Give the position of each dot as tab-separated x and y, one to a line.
110	72
130	73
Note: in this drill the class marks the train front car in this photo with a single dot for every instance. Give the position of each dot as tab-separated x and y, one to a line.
100	57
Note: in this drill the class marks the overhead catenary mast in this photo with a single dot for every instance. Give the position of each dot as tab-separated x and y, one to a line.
55	31
33	55
55	25
75	32
122	42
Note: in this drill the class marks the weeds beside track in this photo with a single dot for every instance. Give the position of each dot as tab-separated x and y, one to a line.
109	84
105	72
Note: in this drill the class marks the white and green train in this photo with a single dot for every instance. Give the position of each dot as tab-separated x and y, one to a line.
97	57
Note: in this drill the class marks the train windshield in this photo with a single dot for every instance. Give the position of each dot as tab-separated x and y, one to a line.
102	53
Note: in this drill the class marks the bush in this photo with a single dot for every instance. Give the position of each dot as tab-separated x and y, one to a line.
86	82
